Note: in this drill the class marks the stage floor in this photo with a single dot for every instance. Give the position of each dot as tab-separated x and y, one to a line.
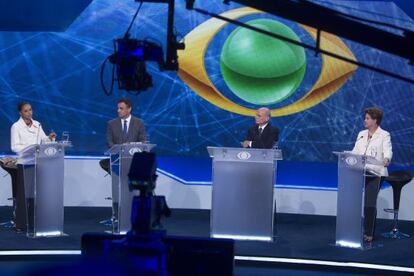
297	236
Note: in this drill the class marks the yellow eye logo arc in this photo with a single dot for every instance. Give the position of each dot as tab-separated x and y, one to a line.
334	73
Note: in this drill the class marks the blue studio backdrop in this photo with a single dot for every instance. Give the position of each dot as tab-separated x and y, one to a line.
55	65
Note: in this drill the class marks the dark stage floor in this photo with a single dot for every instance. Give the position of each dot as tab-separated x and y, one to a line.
298	236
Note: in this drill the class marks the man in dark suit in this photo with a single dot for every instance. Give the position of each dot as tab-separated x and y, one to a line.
263	135
124	129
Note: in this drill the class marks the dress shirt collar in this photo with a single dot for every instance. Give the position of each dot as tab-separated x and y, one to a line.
127	118
263	126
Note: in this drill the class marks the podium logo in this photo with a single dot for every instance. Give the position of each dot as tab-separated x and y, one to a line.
50	151
132	151
243	155
351	161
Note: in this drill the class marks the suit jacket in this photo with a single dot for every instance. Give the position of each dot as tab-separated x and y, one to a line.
379	147
266	140
136	132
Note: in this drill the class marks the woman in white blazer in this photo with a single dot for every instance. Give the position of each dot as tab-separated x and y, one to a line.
375	142
23	133
26	131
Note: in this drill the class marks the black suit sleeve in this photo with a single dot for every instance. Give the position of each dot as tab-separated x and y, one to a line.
267	140
250	134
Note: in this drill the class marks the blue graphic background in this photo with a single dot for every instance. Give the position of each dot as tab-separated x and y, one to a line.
59	74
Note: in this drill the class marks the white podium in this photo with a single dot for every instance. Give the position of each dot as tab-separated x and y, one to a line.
242	193
43	174
350	202
121	158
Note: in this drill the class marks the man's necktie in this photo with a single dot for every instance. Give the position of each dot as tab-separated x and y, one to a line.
125	129
260	131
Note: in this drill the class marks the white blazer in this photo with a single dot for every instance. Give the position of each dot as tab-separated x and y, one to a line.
379	147
23	136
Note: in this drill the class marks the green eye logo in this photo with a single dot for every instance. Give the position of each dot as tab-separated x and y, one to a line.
259	69
248	59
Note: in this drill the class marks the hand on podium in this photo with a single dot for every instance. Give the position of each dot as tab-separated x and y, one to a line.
246	144
52	136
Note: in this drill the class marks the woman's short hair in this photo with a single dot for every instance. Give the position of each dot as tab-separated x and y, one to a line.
20	105
375	114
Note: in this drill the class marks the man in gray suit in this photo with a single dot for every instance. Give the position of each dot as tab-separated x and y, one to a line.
124	129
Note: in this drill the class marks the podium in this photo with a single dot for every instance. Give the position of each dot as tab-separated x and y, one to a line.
43	176
350	198
121	158
242	193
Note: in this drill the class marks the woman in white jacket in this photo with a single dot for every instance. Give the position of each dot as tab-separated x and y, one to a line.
375	142
26	131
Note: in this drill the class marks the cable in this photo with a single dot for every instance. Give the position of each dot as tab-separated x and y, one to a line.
126	35
307	46
364	20
102	78
364	11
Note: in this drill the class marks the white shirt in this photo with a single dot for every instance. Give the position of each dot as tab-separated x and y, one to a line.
379	147
262	127
23	136
128	122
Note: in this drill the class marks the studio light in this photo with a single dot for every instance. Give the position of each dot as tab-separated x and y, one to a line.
130	56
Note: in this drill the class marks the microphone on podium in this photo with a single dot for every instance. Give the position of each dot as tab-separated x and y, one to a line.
37	136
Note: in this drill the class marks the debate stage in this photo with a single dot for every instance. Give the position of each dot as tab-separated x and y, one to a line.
303	245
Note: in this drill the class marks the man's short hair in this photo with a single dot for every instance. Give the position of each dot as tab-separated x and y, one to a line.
267	111
375	114
126	101
20	105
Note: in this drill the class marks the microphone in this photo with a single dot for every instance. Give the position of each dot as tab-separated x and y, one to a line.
369	140
37	136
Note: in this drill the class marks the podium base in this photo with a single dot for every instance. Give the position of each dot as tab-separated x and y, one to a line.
8	224
121	233
242	237
107	222
363	247
51	234
395	235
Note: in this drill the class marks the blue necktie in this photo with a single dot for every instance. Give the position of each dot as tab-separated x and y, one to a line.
125	129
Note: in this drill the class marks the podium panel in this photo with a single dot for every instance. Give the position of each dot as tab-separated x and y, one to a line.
121	158
43	174
350	198
242	193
